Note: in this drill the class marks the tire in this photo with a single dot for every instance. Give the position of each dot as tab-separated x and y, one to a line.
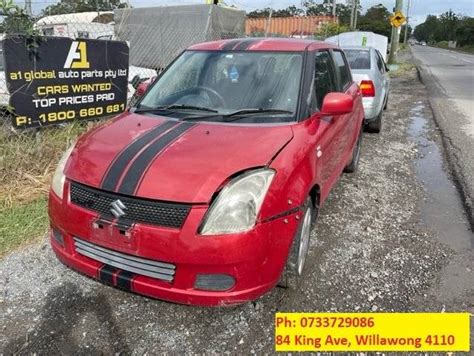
386	103
354	163
294	268
375	126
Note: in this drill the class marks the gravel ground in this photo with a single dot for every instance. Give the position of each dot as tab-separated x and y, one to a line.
369	252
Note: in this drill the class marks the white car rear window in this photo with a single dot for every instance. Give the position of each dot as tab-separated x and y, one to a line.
358	59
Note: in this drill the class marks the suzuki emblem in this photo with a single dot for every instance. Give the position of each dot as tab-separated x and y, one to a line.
118	208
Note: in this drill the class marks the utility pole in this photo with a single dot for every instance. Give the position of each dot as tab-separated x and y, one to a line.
406	24
356	13
334	8
28	7
352	14
395	38
269	22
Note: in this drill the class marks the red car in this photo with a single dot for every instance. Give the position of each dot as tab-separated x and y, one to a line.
207	190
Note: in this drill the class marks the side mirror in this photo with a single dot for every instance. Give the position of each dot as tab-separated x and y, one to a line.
337	104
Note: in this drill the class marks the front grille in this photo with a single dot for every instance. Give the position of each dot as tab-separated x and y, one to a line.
137	209
142	266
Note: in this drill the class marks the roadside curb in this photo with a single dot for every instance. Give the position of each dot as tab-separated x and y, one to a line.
451	150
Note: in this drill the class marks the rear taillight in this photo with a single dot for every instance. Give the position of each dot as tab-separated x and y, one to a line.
367	88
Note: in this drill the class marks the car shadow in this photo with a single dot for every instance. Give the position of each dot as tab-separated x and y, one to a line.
60	321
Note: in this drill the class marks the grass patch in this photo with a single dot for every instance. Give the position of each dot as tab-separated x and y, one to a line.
466	49
403	68
27	161
22	223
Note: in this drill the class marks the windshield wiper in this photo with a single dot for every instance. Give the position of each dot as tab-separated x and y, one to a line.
175	107
236	115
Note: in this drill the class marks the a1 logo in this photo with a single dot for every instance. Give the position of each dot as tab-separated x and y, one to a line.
77	56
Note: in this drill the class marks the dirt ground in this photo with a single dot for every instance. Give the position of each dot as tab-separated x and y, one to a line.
372	250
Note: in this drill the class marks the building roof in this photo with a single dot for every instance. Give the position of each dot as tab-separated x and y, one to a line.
81	17
263	44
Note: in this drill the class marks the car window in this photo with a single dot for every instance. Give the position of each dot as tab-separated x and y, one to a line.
358	58
229	82
324	77
342	70
380	63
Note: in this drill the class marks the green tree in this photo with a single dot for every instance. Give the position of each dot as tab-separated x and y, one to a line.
331	29
288	12
448	23
377	20
465	31
343	12
15	20
426	31
74	6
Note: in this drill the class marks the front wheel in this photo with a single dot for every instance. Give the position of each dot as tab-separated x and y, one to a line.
291	276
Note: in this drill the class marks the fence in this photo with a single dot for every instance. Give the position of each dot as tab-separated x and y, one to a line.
155	35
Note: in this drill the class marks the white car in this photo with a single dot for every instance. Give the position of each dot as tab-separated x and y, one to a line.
371	73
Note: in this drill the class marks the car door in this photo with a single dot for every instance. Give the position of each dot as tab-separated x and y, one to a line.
384	79
347	124
324	82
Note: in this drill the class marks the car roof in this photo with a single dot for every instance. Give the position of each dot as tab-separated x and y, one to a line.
263	44
360	48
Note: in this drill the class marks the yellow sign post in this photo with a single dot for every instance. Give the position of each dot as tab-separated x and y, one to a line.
397	19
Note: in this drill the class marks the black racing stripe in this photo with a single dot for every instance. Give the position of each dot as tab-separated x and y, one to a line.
138	167
245	44
123	159
124	280
106	274
229	45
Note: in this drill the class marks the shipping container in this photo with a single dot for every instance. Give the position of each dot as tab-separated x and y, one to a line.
297	26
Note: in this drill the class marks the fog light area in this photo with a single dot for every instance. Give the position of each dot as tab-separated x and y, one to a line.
214	282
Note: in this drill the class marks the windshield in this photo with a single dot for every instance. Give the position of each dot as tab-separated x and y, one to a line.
230	82
358	59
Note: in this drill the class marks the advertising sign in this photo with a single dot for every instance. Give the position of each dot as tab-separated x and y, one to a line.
65	80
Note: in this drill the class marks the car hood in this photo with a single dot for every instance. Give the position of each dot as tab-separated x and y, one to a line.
156	158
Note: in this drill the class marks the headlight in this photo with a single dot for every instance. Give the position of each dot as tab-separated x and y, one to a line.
57	185
238	204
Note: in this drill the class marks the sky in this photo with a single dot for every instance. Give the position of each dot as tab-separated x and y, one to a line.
418	12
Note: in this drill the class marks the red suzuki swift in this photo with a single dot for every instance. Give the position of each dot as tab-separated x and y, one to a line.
207	190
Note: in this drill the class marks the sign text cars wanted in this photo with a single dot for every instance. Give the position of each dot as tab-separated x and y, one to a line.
65	79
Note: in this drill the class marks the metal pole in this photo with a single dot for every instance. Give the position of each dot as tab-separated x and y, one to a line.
406	24
28	7
395	38
352	14
269	22
334	8
356	13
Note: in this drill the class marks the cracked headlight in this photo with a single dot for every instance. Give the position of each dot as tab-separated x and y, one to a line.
57	185
238	204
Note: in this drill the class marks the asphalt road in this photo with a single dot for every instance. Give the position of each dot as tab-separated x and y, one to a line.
449	78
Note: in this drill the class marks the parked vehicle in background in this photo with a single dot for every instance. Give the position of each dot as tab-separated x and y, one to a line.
371	73
77	25
207	190
136	76
362	38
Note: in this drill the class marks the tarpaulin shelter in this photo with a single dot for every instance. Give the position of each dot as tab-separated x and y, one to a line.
158	34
